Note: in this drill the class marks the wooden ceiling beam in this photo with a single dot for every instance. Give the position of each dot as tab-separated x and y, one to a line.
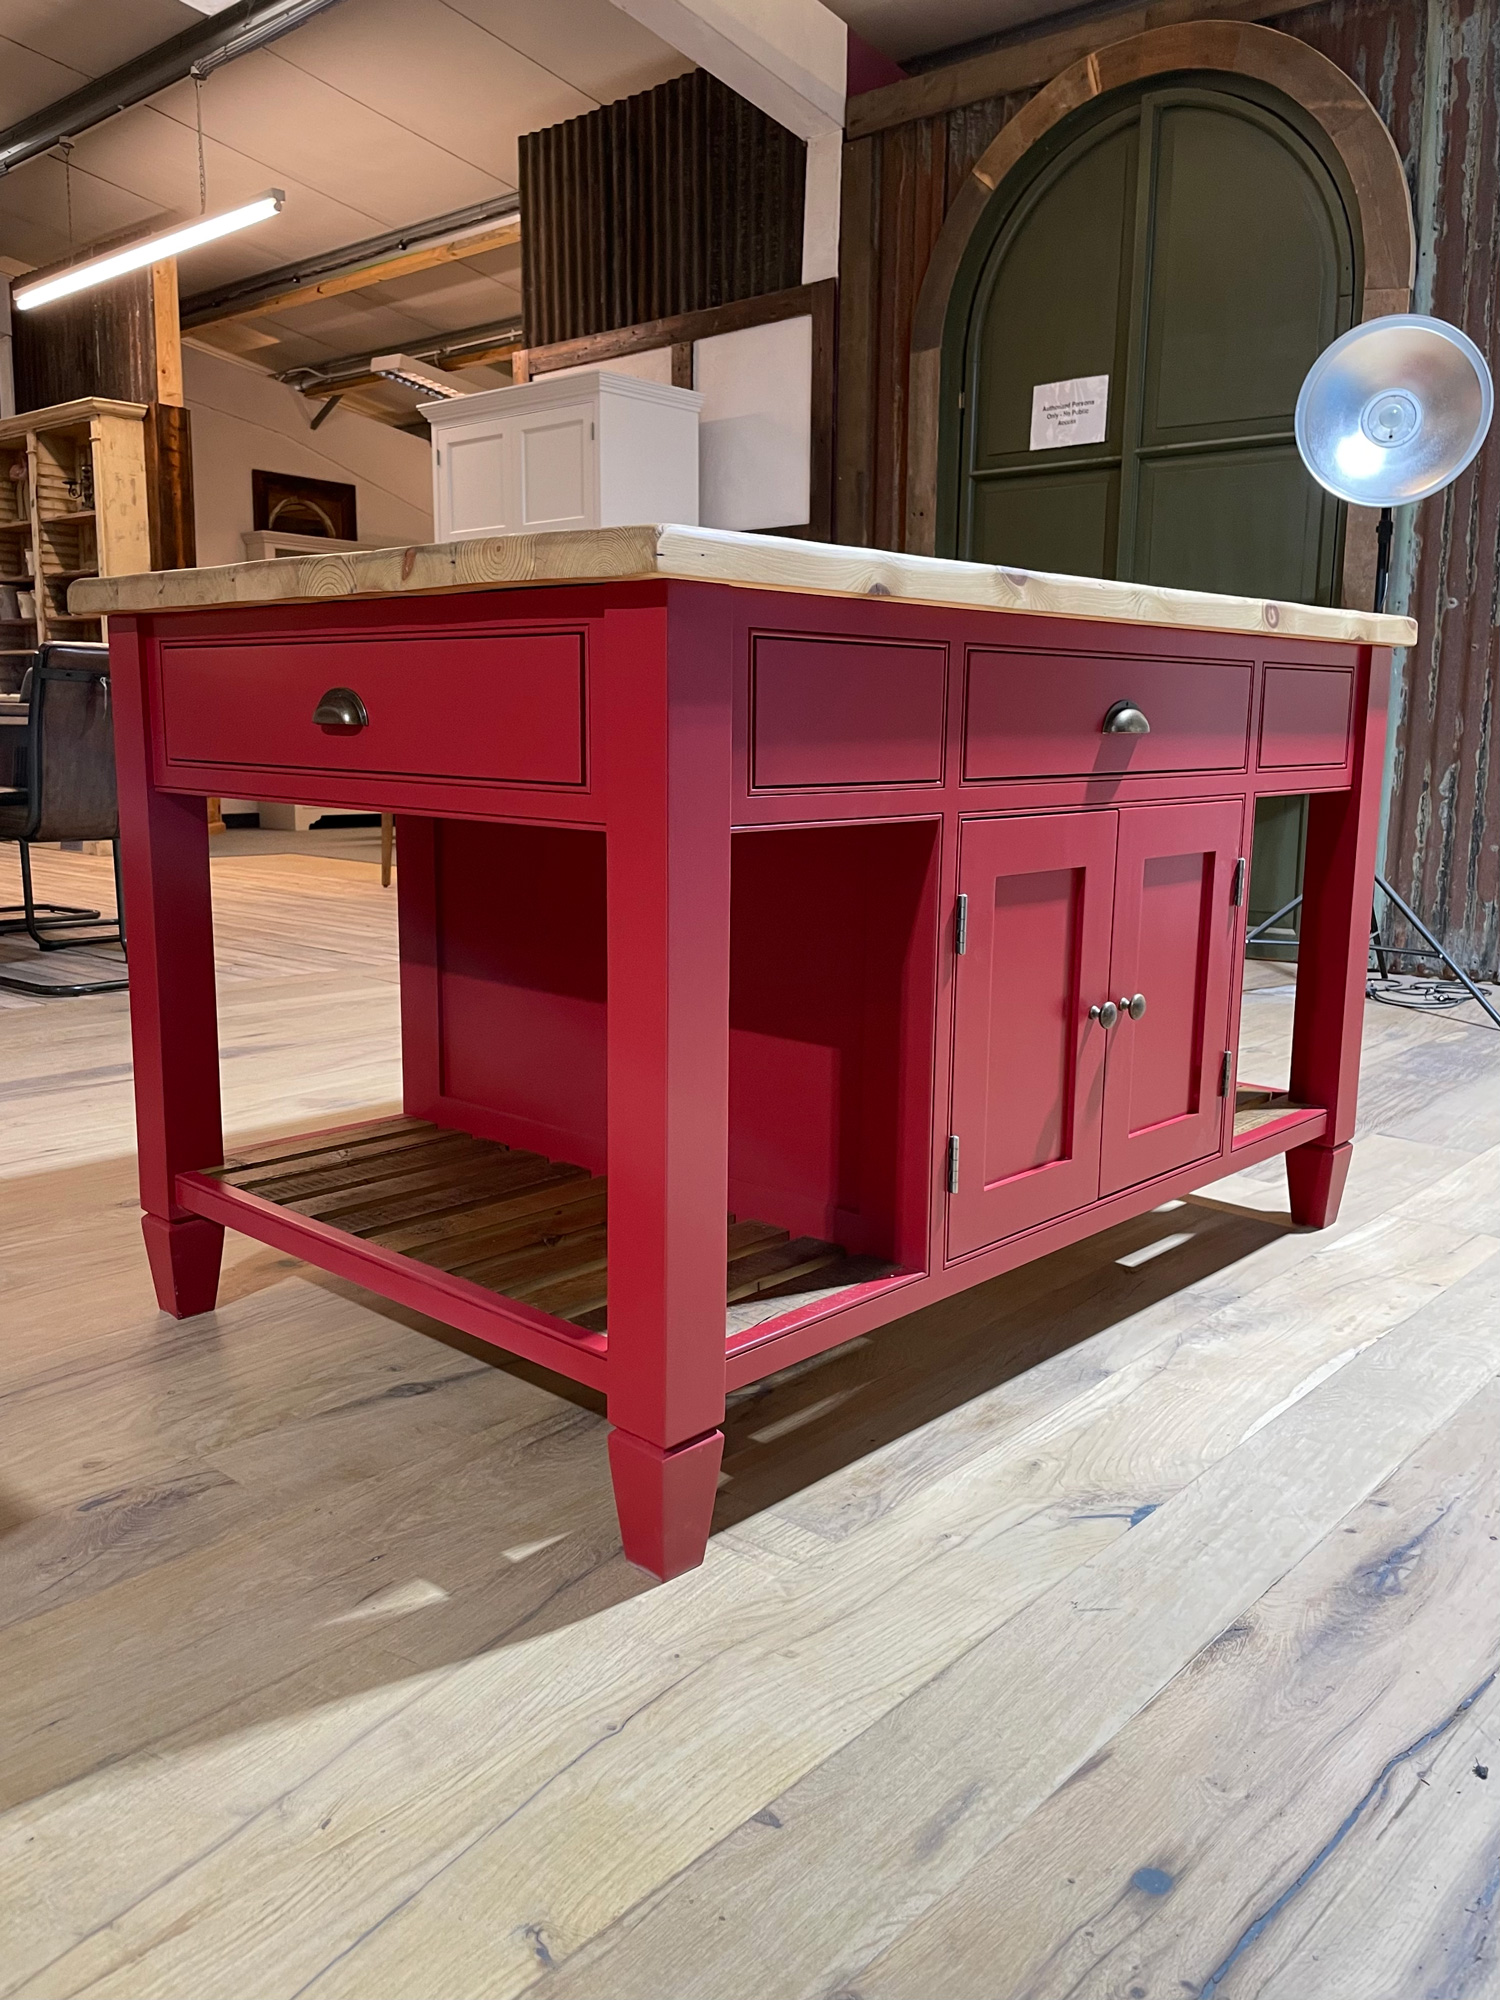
359	277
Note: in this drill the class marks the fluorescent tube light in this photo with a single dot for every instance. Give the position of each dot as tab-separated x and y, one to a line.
416	375
150	250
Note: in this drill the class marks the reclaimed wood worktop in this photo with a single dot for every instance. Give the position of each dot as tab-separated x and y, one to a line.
712	555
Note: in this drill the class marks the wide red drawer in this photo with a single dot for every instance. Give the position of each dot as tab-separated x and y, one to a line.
1042	715
506	708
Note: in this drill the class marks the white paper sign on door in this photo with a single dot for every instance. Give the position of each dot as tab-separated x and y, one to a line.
1073	412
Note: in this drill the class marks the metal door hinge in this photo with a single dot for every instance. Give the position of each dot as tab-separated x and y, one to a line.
440	454
1226	1072
953	1163
1237	890
961	926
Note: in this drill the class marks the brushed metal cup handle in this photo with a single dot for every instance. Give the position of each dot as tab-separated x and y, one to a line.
1125	719
341	713
1106	1015
1133	1006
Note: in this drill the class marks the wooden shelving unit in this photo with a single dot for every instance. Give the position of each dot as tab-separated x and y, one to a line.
72	504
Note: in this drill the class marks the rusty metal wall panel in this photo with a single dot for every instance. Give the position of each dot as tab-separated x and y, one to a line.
672	201
1432	70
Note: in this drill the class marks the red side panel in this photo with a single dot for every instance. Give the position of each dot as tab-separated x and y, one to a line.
519	954
1173	939
1028	1064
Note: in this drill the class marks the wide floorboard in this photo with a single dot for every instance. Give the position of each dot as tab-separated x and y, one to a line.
1123	1630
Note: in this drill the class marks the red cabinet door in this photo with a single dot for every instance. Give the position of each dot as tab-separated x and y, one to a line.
1174	929
1028	1063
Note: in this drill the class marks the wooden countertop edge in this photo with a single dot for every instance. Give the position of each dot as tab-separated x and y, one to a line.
765	562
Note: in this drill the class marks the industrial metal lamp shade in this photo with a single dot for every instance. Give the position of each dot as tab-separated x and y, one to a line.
1394	410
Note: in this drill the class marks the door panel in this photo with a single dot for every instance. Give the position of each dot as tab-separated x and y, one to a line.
1174	931
1211	520
1058	295
1063	521
1237	198
1028	1064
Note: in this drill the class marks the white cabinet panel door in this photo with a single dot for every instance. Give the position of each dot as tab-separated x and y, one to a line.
555	461
472	489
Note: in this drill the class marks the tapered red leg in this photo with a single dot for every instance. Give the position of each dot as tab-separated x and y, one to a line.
1315	1177
173	1016
667	686
185	1258
1332	961
665	1500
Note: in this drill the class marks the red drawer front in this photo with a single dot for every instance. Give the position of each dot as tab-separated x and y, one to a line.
831	712
1305	713
1041	715
498	709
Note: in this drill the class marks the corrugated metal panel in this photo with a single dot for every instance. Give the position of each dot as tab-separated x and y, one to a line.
678	199
1433	72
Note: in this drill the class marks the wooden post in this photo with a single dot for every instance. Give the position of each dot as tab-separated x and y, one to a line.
667	695
1333	957
173	1012
167	332
169	444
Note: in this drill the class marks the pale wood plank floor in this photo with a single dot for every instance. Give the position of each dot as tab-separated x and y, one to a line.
1125	1629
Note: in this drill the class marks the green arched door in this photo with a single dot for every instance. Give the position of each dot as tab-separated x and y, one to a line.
1128	333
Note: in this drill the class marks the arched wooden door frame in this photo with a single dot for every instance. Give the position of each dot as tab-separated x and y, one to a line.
1383	217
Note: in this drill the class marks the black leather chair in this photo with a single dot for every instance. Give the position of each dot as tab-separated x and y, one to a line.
62	787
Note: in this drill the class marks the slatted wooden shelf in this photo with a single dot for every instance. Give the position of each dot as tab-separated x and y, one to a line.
1259	1105
529	1228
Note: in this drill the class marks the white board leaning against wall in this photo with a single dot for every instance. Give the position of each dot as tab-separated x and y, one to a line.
755	427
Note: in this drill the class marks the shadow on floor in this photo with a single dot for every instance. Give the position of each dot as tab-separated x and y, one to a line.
294	1502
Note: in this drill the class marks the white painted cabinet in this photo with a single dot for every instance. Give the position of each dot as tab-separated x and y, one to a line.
589	450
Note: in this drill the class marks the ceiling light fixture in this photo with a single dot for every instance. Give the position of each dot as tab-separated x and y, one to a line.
412	375
150	250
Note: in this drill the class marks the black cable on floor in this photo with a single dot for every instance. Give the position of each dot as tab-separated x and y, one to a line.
1428	996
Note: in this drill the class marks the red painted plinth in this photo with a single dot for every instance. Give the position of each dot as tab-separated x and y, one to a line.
184	1263
665	1500
1315	1177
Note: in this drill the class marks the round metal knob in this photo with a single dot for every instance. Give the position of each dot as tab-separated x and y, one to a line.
341	713
1106	1015
1134	1007
1125	719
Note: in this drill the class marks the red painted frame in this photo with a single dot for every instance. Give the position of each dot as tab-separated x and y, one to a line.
837	1022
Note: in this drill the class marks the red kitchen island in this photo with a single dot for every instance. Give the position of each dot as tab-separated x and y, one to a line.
845	928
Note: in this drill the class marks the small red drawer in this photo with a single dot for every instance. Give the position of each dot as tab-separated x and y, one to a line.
1041	715
1305	714
489	708
834	712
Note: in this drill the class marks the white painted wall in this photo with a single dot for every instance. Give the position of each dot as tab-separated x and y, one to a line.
242	419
